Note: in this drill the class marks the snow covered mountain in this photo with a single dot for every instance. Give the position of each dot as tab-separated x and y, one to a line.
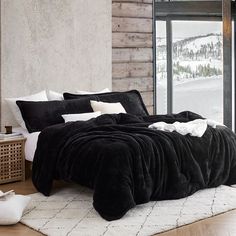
197	75
194	57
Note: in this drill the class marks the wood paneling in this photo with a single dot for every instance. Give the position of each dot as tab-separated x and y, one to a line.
134	9
132	54
147	98
142	1
131	40
127	70
150	110
125	55
135	25
141	84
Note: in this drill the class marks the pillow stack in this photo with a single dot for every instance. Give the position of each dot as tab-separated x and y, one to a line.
41	96
54	96
130	100
37	113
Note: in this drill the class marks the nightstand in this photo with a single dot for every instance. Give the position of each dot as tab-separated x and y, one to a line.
12	160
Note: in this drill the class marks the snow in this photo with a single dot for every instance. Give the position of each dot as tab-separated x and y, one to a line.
196	44
203	95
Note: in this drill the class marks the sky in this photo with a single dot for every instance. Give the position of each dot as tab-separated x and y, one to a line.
185	29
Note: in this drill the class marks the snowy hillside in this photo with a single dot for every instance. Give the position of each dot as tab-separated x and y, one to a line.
193	57
197	75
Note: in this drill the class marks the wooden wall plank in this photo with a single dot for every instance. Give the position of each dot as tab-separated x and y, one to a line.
137	10
131	40
147	98
142	1
135	25
150	110
124	70
132	53
122	55
140	84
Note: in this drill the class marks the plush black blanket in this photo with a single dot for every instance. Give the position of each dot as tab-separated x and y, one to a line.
128	164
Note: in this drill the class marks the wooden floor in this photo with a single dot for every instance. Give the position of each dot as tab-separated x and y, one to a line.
221	225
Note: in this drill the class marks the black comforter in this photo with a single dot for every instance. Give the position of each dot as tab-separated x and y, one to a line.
127	164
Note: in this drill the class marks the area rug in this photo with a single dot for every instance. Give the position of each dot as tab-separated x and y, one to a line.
70	212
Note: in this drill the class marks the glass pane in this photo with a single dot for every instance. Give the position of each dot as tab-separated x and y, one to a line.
198	68
161	70
187	0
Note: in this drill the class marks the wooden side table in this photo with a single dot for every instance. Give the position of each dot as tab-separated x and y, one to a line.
12	160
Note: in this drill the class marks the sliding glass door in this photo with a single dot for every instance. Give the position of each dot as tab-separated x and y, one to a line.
161	68
190	60
198	68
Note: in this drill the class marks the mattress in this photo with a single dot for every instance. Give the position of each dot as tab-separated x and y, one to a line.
31	142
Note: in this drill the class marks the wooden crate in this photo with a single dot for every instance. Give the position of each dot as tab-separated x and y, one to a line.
12	160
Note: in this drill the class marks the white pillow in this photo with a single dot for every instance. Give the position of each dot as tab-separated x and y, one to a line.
54	96
80	116
12	209
42	96
81	92
107	108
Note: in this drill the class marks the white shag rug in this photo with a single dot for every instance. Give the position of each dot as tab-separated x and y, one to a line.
69	212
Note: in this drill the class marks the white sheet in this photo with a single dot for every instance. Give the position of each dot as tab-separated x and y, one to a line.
31	142
195	128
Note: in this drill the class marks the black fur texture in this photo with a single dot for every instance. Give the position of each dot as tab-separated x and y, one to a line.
128	164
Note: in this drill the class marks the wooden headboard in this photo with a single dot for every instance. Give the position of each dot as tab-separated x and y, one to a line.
60	45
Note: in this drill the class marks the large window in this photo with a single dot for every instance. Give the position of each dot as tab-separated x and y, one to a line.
193	68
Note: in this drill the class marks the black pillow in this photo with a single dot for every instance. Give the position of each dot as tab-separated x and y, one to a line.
130	100
39	115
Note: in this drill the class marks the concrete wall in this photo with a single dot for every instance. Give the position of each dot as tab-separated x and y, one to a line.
62	45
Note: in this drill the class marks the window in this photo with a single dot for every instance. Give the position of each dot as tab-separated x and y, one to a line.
193	69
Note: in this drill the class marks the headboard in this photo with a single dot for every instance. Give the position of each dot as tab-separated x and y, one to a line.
60	45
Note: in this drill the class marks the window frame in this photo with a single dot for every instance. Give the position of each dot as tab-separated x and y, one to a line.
205	11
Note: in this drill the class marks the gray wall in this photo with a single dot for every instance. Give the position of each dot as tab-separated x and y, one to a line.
62	45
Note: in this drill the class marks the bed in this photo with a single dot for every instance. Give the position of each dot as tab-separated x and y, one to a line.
118	156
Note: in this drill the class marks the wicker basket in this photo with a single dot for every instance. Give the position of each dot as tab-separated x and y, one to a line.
12	160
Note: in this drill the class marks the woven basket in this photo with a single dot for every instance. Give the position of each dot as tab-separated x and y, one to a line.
12	160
